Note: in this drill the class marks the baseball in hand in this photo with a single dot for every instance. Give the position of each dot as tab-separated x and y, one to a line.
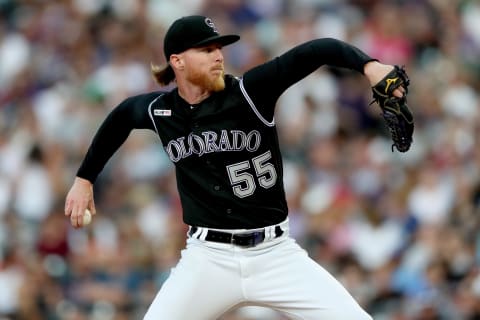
87	217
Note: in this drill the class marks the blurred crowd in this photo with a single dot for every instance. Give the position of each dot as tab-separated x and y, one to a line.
400	231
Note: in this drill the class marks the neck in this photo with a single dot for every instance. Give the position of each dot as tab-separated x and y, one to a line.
193	94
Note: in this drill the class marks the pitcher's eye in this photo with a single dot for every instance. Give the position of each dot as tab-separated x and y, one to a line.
212	48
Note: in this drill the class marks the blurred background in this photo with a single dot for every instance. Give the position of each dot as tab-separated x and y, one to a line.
400	231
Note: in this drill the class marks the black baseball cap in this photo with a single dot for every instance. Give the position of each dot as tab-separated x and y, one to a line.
192	32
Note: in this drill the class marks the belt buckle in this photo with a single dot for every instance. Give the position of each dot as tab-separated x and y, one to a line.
248	240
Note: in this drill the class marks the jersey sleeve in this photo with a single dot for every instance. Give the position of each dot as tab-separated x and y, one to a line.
265	83
130	114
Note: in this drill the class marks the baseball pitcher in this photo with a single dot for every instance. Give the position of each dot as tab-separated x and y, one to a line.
219	131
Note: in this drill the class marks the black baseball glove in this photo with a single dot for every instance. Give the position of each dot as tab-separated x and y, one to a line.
395	111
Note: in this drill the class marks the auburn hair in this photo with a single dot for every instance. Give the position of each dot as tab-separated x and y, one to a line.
163	76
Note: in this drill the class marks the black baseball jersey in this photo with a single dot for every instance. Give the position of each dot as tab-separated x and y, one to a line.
225	148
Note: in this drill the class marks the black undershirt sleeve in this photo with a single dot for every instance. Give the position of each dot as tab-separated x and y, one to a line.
131	114
265	83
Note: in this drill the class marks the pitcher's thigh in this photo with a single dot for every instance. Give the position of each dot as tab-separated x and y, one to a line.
299	287
194	290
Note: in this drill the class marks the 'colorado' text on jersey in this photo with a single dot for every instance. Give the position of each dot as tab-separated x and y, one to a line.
209	141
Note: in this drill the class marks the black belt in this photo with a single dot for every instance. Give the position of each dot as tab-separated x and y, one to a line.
248	239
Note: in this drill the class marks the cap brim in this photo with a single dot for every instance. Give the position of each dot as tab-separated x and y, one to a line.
223	40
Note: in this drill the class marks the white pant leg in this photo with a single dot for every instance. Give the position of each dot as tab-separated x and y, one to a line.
203	285
284	278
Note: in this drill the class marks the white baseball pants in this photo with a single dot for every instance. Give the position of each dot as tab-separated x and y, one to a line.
212	278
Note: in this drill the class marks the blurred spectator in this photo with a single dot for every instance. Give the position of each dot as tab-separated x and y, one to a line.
34	194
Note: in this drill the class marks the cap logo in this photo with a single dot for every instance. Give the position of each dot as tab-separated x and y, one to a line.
210	23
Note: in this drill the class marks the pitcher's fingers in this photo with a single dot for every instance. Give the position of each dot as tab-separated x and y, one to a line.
399	92
73	221
76	216
76	221
68	209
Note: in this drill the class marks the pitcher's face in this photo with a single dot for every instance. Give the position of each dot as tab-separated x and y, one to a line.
204	67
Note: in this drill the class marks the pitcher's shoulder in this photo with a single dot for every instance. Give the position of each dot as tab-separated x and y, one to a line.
231	80
145	97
